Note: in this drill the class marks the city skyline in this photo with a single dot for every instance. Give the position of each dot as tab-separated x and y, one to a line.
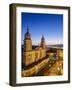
49	25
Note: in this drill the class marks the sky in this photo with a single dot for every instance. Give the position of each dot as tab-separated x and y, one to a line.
49	25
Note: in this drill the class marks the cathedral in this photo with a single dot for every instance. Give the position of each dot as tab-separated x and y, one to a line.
31	55
38	60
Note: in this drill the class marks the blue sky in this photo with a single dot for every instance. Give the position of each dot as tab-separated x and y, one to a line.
49	25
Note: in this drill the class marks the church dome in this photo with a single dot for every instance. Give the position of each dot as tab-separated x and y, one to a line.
27	34
42	42
42	38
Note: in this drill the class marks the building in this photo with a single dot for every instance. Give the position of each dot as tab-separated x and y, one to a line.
32	55
60	53
39	60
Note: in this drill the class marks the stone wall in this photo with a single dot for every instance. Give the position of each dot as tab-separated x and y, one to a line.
32	56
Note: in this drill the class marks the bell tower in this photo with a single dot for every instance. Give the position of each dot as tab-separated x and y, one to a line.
43	42
27	41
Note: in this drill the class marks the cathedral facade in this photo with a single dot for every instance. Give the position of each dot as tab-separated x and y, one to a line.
32	55
39	60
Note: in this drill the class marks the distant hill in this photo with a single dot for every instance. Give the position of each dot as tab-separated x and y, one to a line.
55	45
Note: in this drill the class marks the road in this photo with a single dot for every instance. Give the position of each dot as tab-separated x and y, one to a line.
52	69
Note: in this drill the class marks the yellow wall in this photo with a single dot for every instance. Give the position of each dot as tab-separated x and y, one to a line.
33	56
37	55
29	57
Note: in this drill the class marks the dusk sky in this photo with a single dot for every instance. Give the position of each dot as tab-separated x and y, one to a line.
49	25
